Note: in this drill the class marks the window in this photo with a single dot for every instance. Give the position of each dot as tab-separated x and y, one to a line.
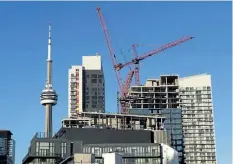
94	81
100	102
94	102
97	151
94	76
44	148
94	97
153	152
93	89
63	149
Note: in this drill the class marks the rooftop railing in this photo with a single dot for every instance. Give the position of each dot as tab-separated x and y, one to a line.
42	135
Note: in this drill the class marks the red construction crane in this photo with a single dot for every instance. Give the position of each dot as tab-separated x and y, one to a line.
137	59
124	88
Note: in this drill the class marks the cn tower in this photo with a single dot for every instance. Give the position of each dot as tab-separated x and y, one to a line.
48	97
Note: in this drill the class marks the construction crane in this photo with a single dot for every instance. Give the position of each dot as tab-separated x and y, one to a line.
137	59
124	88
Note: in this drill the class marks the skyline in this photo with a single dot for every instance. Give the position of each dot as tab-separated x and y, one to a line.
28	43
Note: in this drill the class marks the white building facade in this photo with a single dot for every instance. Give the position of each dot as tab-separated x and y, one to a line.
198	119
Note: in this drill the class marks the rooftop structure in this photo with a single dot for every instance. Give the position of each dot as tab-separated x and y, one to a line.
113	158
118	126
48	96
115	121
92	62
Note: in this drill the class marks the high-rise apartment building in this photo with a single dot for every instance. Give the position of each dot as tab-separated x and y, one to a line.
198	123
187	105
7	147
86	91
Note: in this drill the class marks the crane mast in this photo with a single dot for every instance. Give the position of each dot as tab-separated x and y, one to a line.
136	66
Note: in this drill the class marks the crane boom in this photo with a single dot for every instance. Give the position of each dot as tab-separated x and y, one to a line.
110	49
162	48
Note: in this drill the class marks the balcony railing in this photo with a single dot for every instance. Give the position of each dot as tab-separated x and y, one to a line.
41	135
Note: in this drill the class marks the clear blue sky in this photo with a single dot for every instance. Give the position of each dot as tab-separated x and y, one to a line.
76	31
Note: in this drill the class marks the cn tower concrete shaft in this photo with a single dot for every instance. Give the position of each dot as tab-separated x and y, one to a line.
48	121
48	107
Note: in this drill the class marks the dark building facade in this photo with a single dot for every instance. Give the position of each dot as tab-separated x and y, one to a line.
7	147
106	136
94	91
60	149
172	124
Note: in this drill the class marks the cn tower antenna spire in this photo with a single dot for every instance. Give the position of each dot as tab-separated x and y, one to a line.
48	97
49	42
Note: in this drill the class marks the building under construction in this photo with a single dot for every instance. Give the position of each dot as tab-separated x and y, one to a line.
161	96
187	105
